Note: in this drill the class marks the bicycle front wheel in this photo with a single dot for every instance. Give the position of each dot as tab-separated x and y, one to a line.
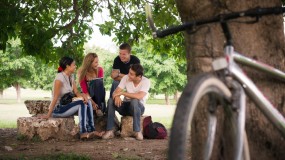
196	125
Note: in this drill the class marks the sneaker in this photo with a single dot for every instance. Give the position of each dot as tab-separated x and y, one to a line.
139	136
108	135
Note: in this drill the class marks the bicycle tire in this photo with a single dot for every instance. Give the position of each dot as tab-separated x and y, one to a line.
199	86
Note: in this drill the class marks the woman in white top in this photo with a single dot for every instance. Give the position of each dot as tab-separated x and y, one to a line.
64	83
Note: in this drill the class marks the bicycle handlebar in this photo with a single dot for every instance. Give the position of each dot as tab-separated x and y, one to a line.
256	12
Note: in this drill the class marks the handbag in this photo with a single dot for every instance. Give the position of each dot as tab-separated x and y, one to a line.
67	98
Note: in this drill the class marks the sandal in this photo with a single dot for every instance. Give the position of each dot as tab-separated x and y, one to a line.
96	134
84	136
99	113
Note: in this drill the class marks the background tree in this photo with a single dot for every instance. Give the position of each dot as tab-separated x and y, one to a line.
15	69
47	29
43	76
127	21
166	73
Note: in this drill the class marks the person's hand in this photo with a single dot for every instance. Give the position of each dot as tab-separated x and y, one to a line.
118	101
115	73
85	98
94	105
118	94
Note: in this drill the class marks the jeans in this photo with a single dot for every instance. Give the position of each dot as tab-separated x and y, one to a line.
97	92
113	87
131	108
85	114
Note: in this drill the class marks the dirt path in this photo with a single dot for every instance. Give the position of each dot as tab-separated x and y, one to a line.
117	148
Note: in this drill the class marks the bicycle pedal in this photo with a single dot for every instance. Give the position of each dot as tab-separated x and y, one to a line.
219	63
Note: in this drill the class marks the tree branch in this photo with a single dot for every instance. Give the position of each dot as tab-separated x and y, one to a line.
75	20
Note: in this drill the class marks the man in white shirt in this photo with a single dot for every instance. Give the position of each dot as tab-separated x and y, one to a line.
134	87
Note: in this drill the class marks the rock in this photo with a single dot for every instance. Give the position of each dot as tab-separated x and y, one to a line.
127	126
101	123
8	148
57	128
36	107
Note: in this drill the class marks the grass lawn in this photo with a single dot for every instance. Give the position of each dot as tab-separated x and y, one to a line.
10	110
160	101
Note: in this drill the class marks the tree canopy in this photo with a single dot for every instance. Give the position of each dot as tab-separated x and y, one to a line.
50	29
47	29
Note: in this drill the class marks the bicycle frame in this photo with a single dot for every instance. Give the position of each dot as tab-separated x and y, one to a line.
250	88
230	73
245	85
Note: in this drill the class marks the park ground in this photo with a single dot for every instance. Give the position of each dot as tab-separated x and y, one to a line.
14	146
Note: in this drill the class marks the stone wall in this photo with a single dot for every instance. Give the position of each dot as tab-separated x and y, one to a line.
53	128
57	128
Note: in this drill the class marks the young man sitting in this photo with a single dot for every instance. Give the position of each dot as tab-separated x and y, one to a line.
134	87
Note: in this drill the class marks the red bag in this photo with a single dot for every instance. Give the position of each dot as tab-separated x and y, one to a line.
153	130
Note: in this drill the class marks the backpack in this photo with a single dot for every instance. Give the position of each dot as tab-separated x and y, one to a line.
153	130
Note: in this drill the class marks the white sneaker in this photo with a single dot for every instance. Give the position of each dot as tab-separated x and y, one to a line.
139	136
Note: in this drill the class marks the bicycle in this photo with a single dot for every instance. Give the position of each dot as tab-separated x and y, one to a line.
225	86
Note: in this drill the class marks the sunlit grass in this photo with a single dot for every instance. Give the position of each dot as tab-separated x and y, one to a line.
160	101
166	121
7	124
14	101
10	111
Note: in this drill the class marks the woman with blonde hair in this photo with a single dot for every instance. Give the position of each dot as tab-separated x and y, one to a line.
91	82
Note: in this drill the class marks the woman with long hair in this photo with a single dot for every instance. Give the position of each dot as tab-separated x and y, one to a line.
91	82
64	83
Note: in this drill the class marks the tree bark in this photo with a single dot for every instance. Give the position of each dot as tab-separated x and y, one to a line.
1	93
18	91
263	41
176	96
166	96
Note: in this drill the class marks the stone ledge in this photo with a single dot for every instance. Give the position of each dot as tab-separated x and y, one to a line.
57	128
36	107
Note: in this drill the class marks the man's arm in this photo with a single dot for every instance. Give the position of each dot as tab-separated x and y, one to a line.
116	96
138	95
116	75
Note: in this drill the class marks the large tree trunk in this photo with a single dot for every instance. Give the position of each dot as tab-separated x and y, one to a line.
176	96
1	93
263	41
166	97
18	91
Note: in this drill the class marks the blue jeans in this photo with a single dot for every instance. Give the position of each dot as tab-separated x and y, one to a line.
113	87
85	114
131	108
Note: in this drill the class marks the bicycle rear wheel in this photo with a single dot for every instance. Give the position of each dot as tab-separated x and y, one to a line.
196	129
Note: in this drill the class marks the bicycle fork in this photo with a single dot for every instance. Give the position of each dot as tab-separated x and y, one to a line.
236	116
239	107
